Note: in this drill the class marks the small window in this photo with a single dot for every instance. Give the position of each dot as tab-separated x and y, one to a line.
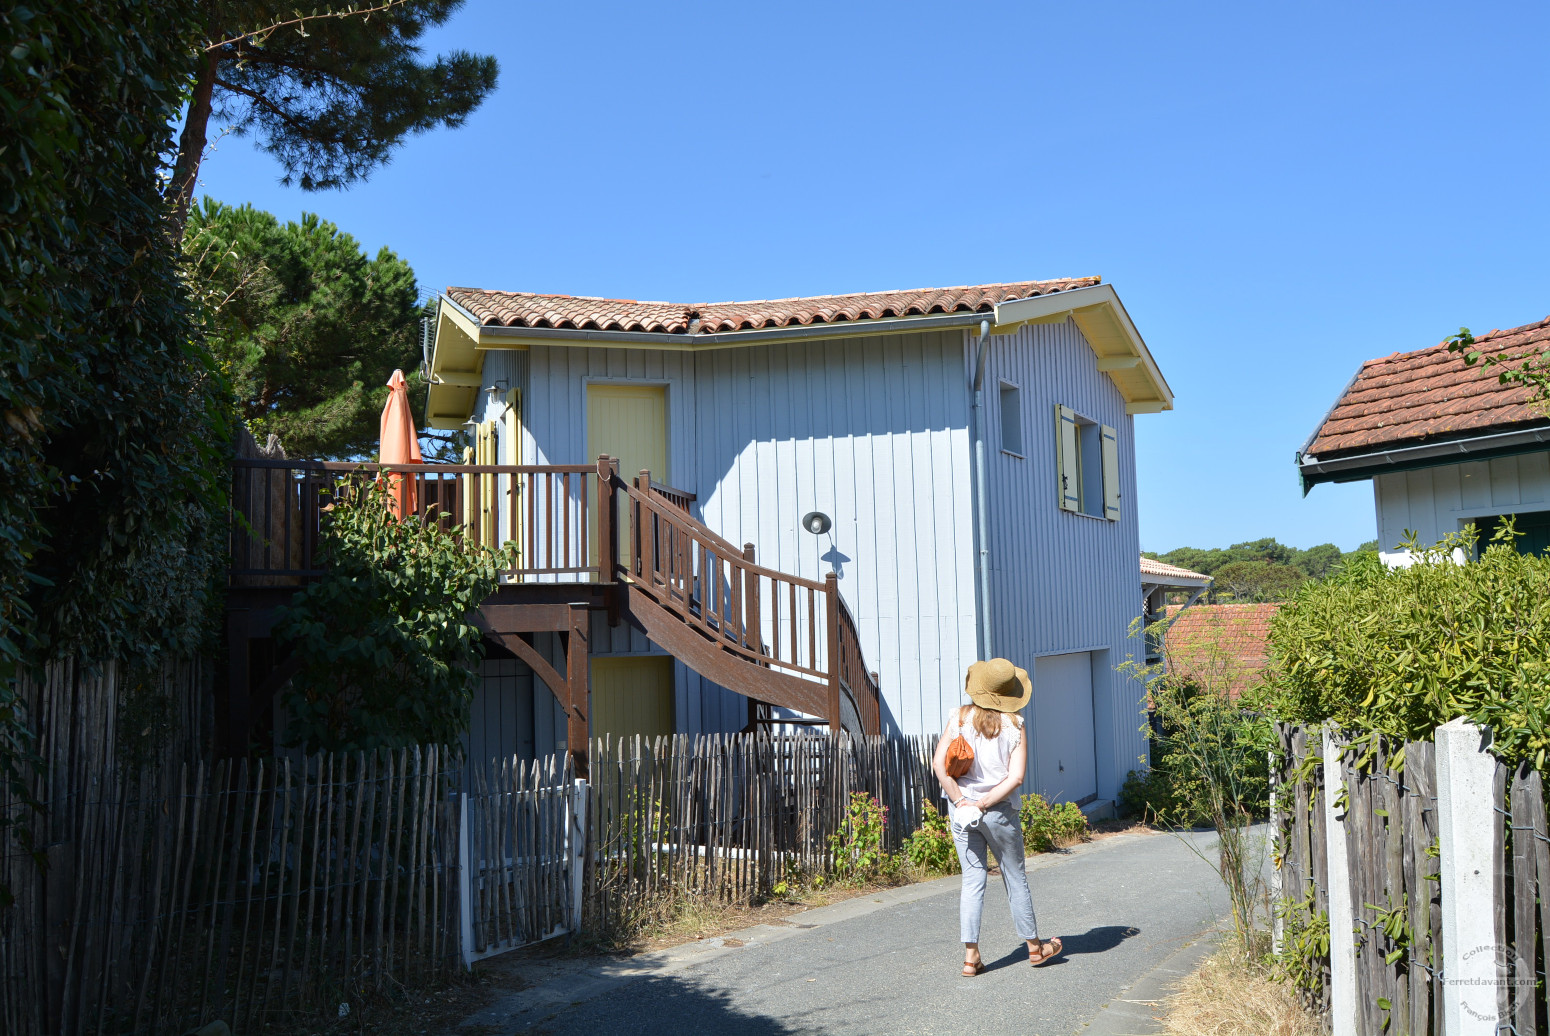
1011	419
1087	465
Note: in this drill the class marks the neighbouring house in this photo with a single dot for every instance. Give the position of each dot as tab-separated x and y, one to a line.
1222	646
807	511
1445	445
1159	580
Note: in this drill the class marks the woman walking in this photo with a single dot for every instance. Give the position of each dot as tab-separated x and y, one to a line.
980	793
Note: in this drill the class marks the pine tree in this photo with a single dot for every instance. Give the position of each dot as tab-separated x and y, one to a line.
330	94
305	324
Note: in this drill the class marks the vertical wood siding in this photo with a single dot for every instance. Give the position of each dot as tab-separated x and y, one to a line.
1435	501
1063	582
872	432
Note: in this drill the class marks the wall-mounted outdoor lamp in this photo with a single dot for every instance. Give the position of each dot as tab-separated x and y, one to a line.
816	522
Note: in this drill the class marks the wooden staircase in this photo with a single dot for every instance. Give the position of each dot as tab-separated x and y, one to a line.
778	638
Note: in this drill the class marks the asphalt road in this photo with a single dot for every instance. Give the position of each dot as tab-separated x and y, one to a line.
1131	910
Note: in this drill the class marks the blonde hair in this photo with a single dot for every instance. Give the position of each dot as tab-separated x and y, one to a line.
988	723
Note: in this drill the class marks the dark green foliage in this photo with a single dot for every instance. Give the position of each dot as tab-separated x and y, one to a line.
307	326
1260	570
1229	752
1255	581
1047	828
388	656
1402	651
930	846
114	431
329	97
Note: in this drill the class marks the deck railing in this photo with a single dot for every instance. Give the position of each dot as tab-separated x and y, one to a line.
547	511
572	523
763	616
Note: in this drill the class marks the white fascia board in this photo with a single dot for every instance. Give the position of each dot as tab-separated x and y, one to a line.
1056	307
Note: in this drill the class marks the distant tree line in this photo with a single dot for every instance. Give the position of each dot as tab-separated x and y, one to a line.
1259	570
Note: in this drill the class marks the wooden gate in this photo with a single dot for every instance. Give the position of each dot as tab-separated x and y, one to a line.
523	843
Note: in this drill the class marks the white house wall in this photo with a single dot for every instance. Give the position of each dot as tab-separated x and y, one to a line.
872	432
1435	501
873	427
1063	582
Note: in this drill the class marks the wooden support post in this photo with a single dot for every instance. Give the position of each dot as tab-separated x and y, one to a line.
578	679
608	534
831	589
1469	840
238	709
1343	1013
753	629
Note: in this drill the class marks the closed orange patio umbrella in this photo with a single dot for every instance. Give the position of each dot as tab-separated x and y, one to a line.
399	445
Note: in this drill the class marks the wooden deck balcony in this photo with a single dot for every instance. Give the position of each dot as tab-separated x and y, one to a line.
775	637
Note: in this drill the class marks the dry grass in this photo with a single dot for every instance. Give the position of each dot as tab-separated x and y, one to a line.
1232	995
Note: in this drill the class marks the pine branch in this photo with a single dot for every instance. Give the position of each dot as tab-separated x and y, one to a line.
258	36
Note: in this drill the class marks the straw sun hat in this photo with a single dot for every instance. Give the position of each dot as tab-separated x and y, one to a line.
998	685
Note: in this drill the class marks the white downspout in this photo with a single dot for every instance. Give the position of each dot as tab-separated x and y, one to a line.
981	496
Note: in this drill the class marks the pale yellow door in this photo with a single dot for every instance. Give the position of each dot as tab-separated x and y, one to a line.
628	422
632	696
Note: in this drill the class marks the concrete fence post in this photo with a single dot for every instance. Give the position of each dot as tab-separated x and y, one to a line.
1468	842
1276	861
1342	914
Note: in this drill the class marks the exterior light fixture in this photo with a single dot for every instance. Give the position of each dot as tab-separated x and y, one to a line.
816	522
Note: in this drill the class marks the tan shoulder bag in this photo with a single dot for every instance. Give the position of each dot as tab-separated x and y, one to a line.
960	754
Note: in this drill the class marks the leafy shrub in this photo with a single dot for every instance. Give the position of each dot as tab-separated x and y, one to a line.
858	844
1401	651
930	847
1211	747
1047	828
387	655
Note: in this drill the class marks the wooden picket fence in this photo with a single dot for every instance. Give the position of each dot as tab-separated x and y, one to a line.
1395	861
723	818
268	893
260	893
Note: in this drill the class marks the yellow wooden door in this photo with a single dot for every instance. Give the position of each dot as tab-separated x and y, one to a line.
632	696
628	422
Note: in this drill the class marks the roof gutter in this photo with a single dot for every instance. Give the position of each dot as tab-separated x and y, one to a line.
981	494
1312	470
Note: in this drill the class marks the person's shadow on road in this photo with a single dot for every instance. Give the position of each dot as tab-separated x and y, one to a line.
1094	940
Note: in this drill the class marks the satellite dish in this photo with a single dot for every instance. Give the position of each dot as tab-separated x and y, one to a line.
816	522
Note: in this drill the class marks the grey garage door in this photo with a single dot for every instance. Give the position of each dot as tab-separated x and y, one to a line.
1062	760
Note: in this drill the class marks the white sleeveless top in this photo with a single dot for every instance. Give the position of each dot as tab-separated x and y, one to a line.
991	756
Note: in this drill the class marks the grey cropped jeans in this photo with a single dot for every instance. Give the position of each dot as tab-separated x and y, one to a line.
1002	830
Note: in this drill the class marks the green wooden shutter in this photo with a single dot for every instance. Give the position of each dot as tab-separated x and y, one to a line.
1068	468
1110	474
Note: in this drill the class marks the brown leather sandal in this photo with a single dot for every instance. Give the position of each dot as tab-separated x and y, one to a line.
971	970
1047	952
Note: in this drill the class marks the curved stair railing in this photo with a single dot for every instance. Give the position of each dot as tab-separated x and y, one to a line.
780	638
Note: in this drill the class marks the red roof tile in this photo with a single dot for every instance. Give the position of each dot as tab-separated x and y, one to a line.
1411	398
522	309
1220	644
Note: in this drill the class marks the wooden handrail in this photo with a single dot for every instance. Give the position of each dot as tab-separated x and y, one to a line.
717	588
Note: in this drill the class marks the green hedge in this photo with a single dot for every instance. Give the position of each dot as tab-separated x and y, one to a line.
1402	651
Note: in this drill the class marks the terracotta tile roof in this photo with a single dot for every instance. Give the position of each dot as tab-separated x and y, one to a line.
1161	572
1428	395
523	309
1221	643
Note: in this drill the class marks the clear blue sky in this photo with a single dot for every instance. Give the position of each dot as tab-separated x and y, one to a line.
1277	193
